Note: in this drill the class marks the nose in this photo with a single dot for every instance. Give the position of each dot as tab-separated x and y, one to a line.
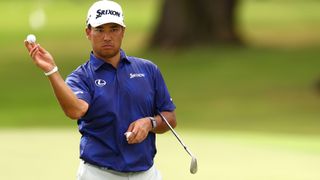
106	36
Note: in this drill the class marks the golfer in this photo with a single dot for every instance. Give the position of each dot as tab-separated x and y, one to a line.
114	98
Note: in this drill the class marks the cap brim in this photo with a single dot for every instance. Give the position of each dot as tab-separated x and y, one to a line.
96	24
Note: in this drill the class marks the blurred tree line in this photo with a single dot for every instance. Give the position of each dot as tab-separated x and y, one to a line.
190	22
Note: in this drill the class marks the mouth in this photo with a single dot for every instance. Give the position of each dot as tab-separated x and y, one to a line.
107	46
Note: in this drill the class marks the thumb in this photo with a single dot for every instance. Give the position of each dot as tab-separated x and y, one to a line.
42	50
130	128
28	45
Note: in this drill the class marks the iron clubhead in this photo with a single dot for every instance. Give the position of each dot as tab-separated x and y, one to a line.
193	165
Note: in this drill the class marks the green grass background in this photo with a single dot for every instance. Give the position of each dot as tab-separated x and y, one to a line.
256	106
50	154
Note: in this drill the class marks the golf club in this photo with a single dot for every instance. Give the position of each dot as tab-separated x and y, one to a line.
194	164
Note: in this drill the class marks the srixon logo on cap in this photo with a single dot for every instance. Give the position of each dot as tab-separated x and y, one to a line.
101	12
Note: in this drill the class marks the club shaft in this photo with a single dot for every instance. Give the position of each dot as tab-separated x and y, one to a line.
175	134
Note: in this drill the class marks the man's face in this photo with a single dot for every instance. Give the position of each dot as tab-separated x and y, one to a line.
106	39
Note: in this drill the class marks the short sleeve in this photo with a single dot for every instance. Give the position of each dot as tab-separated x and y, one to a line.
163	99
79	86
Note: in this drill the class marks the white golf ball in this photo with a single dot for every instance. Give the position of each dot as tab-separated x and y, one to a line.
128	134
31	38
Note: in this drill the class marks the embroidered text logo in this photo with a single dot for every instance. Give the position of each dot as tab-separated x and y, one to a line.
101	12
136	75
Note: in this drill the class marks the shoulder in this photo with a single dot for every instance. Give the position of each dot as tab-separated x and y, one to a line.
145	66
136	61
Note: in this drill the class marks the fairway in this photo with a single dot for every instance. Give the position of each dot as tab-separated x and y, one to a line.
51	154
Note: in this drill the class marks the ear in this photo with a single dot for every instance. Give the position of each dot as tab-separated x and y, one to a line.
88	33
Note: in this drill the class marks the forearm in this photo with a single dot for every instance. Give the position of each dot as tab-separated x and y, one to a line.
69	102
162	127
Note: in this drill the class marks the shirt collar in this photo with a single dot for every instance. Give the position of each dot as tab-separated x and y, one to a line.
97	63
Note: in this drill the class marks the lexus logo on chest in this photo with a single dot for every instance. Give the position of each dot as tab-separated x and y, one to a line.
100	82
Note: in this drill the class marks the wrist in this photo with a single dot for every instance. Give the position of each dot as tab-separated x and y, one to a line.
52	71
153	123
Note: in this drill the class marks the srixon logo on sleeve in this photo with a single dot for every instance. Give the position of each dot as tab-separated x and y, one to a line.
101	12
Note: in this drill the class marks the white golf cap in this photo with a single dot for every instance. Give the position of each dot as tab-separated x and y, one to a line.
103	12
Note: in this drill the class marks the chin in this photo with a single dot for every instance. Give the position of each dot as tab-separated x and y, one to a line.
109	53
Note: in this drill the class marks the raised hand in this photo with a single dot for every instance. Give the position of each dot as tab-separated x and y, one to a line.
40	56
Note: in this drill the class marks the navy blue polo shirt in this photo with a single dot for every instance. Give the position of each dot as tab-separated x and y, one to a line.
116	98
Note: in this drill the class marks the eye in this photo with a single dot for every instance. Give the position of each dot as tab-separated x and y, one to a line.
114	29
98	30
